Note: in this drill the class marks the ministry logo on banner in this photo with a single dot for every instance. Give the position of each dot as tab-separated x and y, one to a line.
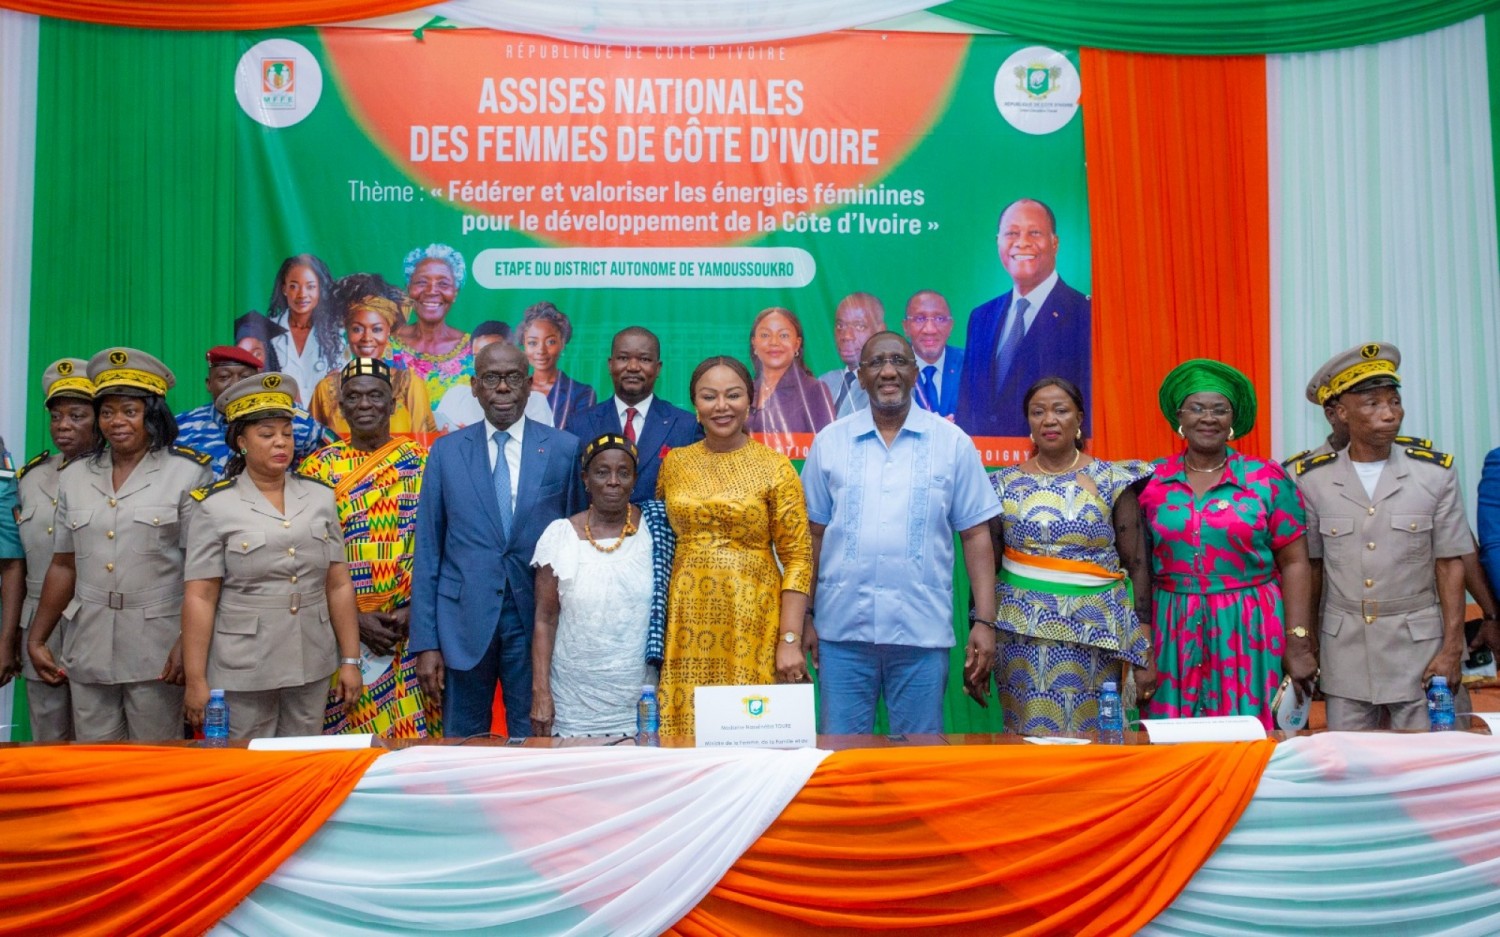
1036	90
278	82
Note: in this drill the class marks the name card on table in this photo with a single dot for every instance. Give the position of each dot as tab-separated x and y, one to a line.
778	715
1204	729
312	743
1491	720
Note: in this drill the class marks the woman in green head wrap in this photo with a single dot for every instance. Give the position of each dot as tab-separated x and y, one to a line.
1231	582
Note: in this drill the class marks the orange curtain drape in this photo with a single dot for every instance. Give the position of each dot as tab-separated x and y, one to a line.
111	840
213	14
1179	210
996	840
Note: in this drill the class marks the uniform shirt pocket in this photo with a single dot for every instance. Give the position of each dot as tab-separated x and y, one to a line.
235	646
240	556
1415	534
1335	532
1426	625
78	525
155	525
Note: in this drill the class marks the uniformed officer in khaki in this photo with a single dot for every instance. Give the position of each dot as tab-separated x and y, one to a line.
1386	531
68	395
118	553
269	612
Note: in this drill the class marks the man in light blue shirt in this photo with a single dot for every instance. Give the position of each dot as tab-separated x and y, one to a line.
886	490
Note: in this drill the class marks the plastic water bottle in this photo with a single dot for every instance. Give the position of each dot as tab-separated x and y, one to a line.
1111	718
647	718
1440	705
216	720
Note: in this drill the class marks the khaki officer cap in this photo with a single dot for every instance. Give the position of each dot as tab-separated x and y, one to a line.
1355	366
131	372
68	378
259	396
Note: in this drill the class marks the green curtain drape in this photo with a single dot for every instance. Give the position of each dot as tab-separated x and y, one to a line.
134	198
1214	27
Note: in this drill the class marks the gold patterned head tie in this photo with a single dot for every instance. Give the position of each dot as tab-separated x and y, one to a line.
609	441
366	367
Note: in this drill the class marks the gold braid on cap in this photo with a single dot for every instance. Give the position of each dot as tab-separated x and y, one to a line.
257	403
74	385
130	377
1354	374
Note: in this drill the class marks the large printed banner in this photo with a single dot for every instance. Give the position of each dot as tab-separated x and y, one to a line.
416	199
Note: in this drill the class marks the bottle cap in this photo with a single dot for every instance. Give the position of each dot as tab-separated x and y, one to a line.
1440	681
648	688
215	694
1110	686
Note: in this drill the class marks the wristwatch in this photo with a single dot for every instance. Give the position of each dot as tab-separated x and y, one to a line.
1299	632
791	637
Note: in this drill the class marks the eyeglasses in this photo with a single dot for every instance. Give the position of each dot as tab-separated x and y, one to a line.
512	379
924	321
1198	409
879	362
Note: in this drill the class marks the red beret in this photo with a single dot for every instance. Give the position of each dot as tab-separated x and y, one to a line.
232	354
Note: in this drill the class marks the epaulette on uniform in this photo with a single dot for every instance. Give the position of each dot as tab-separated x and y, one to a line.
187	452
1307	465
36	460
198	494
1287	462
1443	459
1415	441
313	478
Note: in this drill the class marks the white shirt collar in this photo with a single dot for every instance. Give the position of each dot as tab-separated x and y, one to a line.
641	409
923	364
517	430
1037	297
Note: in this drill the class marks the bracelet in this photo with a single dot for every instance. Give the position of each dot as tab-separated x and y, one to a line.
350	662
982	621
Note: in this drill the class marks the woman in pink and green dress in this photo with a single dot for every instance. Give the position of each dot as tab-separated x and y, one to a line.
1231	581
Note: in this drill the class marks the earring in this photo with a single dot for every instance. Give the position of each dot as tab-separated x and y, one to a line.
244	452
1180	432
1231	434
1032	437
1078	433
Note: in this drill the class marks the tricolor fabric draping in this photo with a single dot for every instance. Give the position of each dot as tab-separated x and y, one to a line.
1335	833
568	842
113	840
1357	834
211	14
1215	27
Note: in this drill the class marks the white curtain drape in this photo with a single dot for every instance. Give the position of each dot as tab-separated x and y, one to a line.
674	22
494	841
1357	834
1383	228
18	69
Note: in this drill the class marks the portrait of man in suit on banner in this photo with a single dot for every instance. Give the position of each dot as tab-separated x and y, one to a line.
1039	328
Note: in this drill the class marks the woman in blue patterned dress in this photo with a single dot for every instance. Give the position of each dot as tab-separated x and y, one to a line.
1073	593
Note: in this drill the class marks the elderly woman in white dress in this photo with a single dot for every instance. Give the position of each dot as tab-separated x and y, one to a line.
601	587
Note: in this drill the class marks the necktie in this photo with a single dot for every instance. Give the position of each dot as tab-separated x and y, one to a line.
630	413
929	388
838	405
1015	330
502	481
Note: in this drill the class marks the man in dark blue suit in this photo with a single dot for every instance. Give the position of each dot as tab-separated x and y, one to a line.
929	322
635	411
1040	328
488	492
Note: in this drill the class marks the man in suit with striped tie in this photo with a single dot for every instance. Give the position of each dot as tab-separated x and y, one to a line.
855	319
929	322
635	412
